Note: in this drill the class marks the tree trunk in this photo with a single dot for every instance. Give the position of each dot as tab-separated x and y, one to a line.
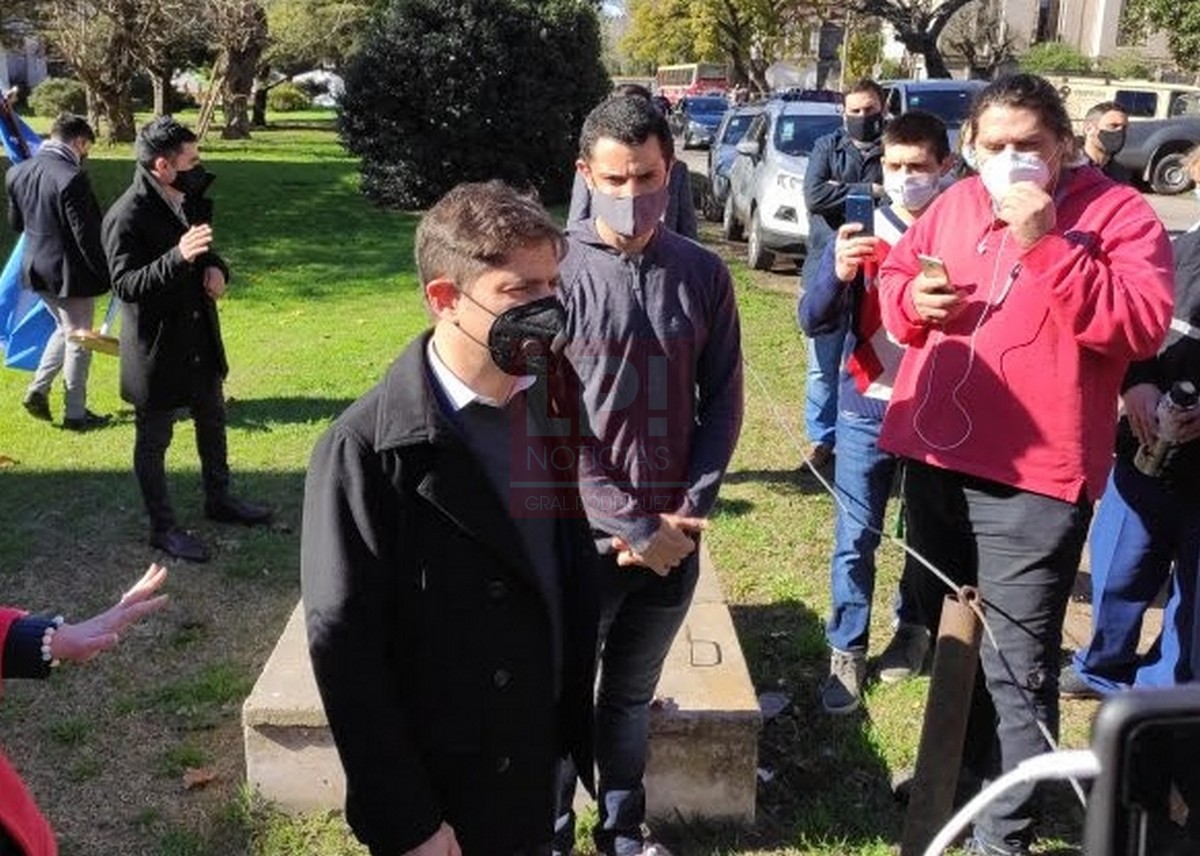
160	80
116	112
935	63
240	69
258	98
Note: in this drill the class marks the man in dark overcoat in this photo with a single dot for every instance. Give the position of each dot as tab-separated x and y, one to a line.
447	568
158	238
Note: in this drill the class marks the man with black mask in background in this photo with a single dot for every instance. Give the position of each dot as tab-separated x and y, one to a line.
838	161
157	238
1104	129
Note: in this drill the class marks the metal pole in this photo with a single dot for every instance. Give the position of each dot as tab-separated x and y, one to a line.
955	663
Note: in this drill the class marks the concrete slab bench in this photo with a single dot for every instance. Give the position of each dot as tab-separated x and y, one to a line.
703	734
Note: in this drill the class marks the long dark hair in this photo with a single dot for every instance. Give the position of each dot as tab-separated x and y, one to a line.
1024	92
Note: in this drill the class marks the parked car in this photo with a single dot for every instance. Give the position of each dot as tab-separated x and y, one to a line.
949	100
1154	150
1142	99
721	154
766	181
696	118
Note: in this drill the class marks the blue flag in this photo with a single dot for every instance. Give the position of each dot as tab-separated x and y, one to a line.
20	141
26	323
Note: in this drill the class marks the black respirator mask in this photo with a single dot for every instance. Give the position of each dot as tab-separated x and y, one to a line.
194	181
526	339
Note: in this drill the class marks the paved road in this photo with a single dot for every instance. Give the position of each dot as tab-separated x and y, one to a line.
1178	213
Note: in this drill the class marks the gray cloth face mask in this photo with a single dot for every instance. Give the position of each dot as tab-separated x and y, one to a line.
630	216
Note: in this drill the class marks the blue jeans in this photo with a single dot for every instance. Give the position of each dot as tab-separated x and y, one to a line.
821	386
1142	529
863	475
639	616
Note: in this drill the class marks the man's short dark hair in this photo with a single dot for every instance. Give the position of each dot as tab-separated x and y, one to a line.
634	90
162	137
1102	108
478	226
866	85
629	120
68	128
918	128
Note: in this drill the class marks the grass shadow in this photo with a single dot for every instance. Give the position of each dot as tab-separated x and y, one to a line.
798	480
258	414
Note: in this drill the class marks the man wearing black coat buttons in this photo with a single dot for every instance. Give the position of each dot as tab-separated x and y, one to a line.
158	238
447	568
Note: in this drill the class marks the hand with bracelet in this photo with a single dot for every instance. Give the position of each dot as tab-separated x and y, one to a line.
29	646
82	641
56	640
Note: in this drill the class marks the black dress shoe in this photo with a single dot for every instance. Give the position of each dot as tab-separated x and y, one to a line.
234	510
38	406
181	544
87	421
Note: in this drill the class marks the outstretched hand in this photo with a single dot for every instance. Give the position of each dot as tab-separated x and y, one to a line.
82	641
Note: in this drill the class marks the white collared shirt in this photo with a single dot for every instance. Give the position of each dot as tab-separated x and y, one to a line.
457	393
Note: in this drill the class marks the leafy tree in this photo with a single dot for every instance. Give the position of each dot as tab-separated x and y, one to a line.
307	34
862	53
443	93
979	36
1127	64
749	35
96	40
238	29
1180	20
918	25
1055	57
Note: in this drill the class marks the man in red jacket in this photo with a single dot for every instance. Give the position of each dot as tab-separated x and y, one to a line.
1053	279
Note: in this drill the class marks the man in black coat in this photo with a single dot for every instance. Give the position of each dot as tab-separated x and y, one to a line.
50	199
447	568
157	237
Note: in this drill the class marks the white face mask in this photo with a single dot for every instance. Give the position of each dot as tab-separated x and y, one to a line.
912	191
1002	170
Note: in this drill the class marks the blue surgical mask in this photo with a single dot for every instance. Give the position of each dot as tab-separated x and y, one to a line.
630	216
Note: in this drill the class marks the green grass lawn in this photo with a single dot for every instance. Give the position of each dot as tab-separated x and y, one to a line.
323	297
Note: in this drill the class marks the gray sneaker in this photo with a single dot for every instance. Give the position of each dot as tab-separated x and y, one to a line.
904	656
842	690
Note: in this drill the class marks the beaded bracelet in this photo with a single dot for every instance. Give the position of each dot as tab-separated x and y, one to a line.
48	637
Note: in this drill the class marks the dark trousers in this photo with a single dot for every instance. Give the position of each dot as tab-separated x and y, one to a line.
1022	550
154	430
640	614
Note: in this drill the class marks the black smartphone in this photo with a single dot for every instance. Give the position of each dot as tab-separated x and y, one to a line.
860	208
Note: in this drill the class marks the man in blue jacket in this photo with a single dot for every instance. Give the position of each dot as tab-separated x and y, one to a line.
842	298
844	158
1147	527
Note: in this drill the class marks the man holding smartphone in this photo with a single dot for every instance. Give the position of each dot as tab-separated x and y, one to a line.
842	297
838	161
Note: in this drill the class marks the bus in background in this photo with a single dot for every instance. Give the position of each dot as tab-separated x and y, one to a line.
691	78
